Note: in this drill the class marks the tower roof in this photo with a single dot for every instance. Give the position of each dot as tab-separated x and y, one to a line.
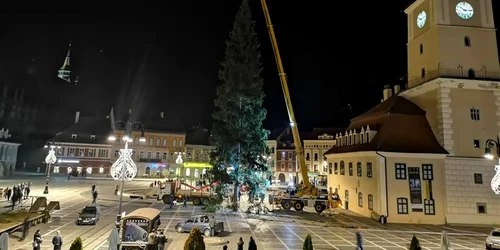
66	64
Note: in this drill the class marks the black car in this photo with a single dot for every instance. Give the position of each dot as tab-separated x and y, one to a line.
89	215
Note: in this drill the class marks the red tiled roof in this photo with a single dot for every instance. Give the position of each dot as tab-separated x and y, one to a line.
401	127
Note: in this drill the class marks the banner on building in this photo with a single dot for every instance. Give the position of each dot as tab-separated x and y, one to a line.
415	189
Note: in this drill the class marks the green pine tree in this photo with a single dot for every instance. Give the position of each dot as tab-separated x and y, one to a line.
308	243
195	240
77	244
238	133
414	245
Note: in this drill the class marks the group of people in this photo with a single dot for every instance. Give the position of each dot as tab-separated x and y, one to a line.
156	241
38	240
17	193
240	244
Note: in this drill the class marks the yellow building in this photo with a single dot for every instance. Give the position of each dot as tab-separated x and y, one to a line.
196	161
454	75
379	169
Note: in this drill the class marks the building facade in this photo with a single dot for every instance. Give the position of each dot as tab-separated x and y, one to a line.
379	169
196	160
272	163
316	144
82	149
8	153
454	75
286	158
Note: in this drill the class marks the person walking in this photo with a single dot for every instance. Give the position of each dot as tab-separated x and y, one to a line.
224	247
93	187
151	241
26	227
359	239
240	244
171	200
28	190
57	241
212	223
37	240
251	244
185	201
94	197
161	239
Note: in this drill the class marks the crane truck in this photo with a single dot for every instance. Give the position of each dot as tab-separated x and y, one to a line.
307	194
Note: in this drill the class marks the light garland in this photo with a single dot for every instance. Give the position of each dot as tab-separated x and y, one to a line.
51	157
495	182
129	171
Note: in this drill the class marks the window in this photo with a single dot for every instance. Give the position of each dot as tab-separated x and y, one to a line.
347	195
180	143
196	173
360	199
400	171
92	137
101	169
307	156
421	49
91	152
290	155
164	143
81	152
283	155
136	140
289	166
402	205
150	155
189	156
336	168
351	170
205	157
141	155
467	41
478	178
164	157
476	143
481	208
342	168
429	207
116	153
73	136
158	142
56	170
369	170
150	141
370	202
330	168
359	169
427	173
422	72
157	155
89	170
475	114
315	156
103	153
282	166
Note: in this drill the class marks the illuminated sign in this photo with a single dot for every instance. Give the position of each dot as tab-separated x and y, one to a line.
197	165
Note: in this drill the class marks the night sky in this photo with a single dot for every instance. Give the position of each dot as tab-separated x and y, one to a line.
338	57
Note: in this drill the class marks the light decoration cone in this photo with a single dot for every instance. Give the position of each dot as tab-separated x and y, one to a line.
495	182
178	160
51	157
124	167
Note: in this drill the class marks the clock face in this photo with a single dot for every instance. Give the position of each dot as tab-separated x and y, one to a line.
421	18
464	10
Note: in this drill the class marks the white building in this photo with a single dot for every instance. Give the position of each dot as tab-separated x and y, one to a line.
8	153
316	144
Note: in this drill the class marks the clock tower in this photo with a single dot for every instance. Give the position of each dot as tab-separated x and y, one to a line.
454	38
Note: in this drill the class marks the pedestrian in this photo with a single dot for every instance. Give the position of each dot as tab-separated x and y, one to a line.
26	227
151	241
93	187
224	247
116	190
94	197
9	194
359	239
37	240
212	224
185	200
28	190
161	239
240	244
171	200
57	241
251	244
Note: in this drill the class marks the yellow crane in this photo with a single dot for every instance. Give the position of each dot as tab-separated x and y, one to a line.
307	188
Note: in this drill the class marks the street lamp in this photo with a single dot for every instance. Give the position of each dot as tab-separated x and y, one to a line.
49	160
124	167
495	181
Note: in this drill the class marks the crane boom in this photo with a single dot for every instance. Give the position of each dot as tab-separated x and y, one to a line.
284	85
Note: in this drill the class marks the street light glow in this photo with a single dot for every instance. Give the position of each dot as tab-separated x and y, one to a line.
126	138
142	139
487	153
112	137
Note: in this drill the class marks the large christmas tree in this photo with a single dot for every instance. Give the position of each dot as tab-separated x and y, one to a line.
238	133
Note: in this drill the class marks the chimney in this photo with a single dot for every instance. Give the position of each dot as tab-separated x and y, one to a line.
397	88
387	92
77	116
162	114
130	111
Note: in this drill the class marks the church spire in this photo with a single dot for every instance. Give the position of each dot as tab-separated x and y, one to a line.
65	70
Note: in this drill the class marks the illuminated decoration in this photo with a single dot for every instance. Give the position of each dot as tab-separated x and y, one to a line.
68	161
4	134
464	10
495	182
51	157
124	167
179	159
197	165
64	72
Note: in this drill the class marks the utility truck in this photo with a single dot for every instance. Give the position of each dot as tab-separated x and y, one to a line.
198	196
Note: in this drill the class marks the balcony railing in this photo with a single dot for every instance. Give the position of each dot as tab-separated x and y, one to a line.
459	73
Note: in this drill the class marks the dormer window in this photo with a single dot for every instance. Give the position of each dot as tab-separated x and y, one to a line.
92	137
73	136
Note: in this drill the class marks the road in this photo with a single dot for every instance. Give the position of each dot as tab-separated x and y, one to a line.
279	230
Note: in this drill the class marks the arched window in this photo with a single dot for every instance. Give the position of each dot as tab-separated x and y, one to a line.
360	199
101	169
421	49
69	170
188	172
196	173
467	41
370	202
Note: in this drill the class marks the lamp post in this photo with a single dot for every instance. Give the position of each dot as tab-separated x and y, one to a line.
495	181
124	167
49	160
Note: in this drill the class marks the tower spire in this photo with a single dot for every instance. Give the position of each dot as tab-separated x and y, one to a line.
65	70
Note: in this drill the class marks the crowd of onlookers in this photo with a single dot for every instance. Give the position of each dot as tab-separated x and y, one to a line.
17	193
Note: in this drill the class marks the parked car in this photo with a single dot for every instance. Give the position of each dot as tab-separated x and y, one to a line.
200	221
89	215
493	240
